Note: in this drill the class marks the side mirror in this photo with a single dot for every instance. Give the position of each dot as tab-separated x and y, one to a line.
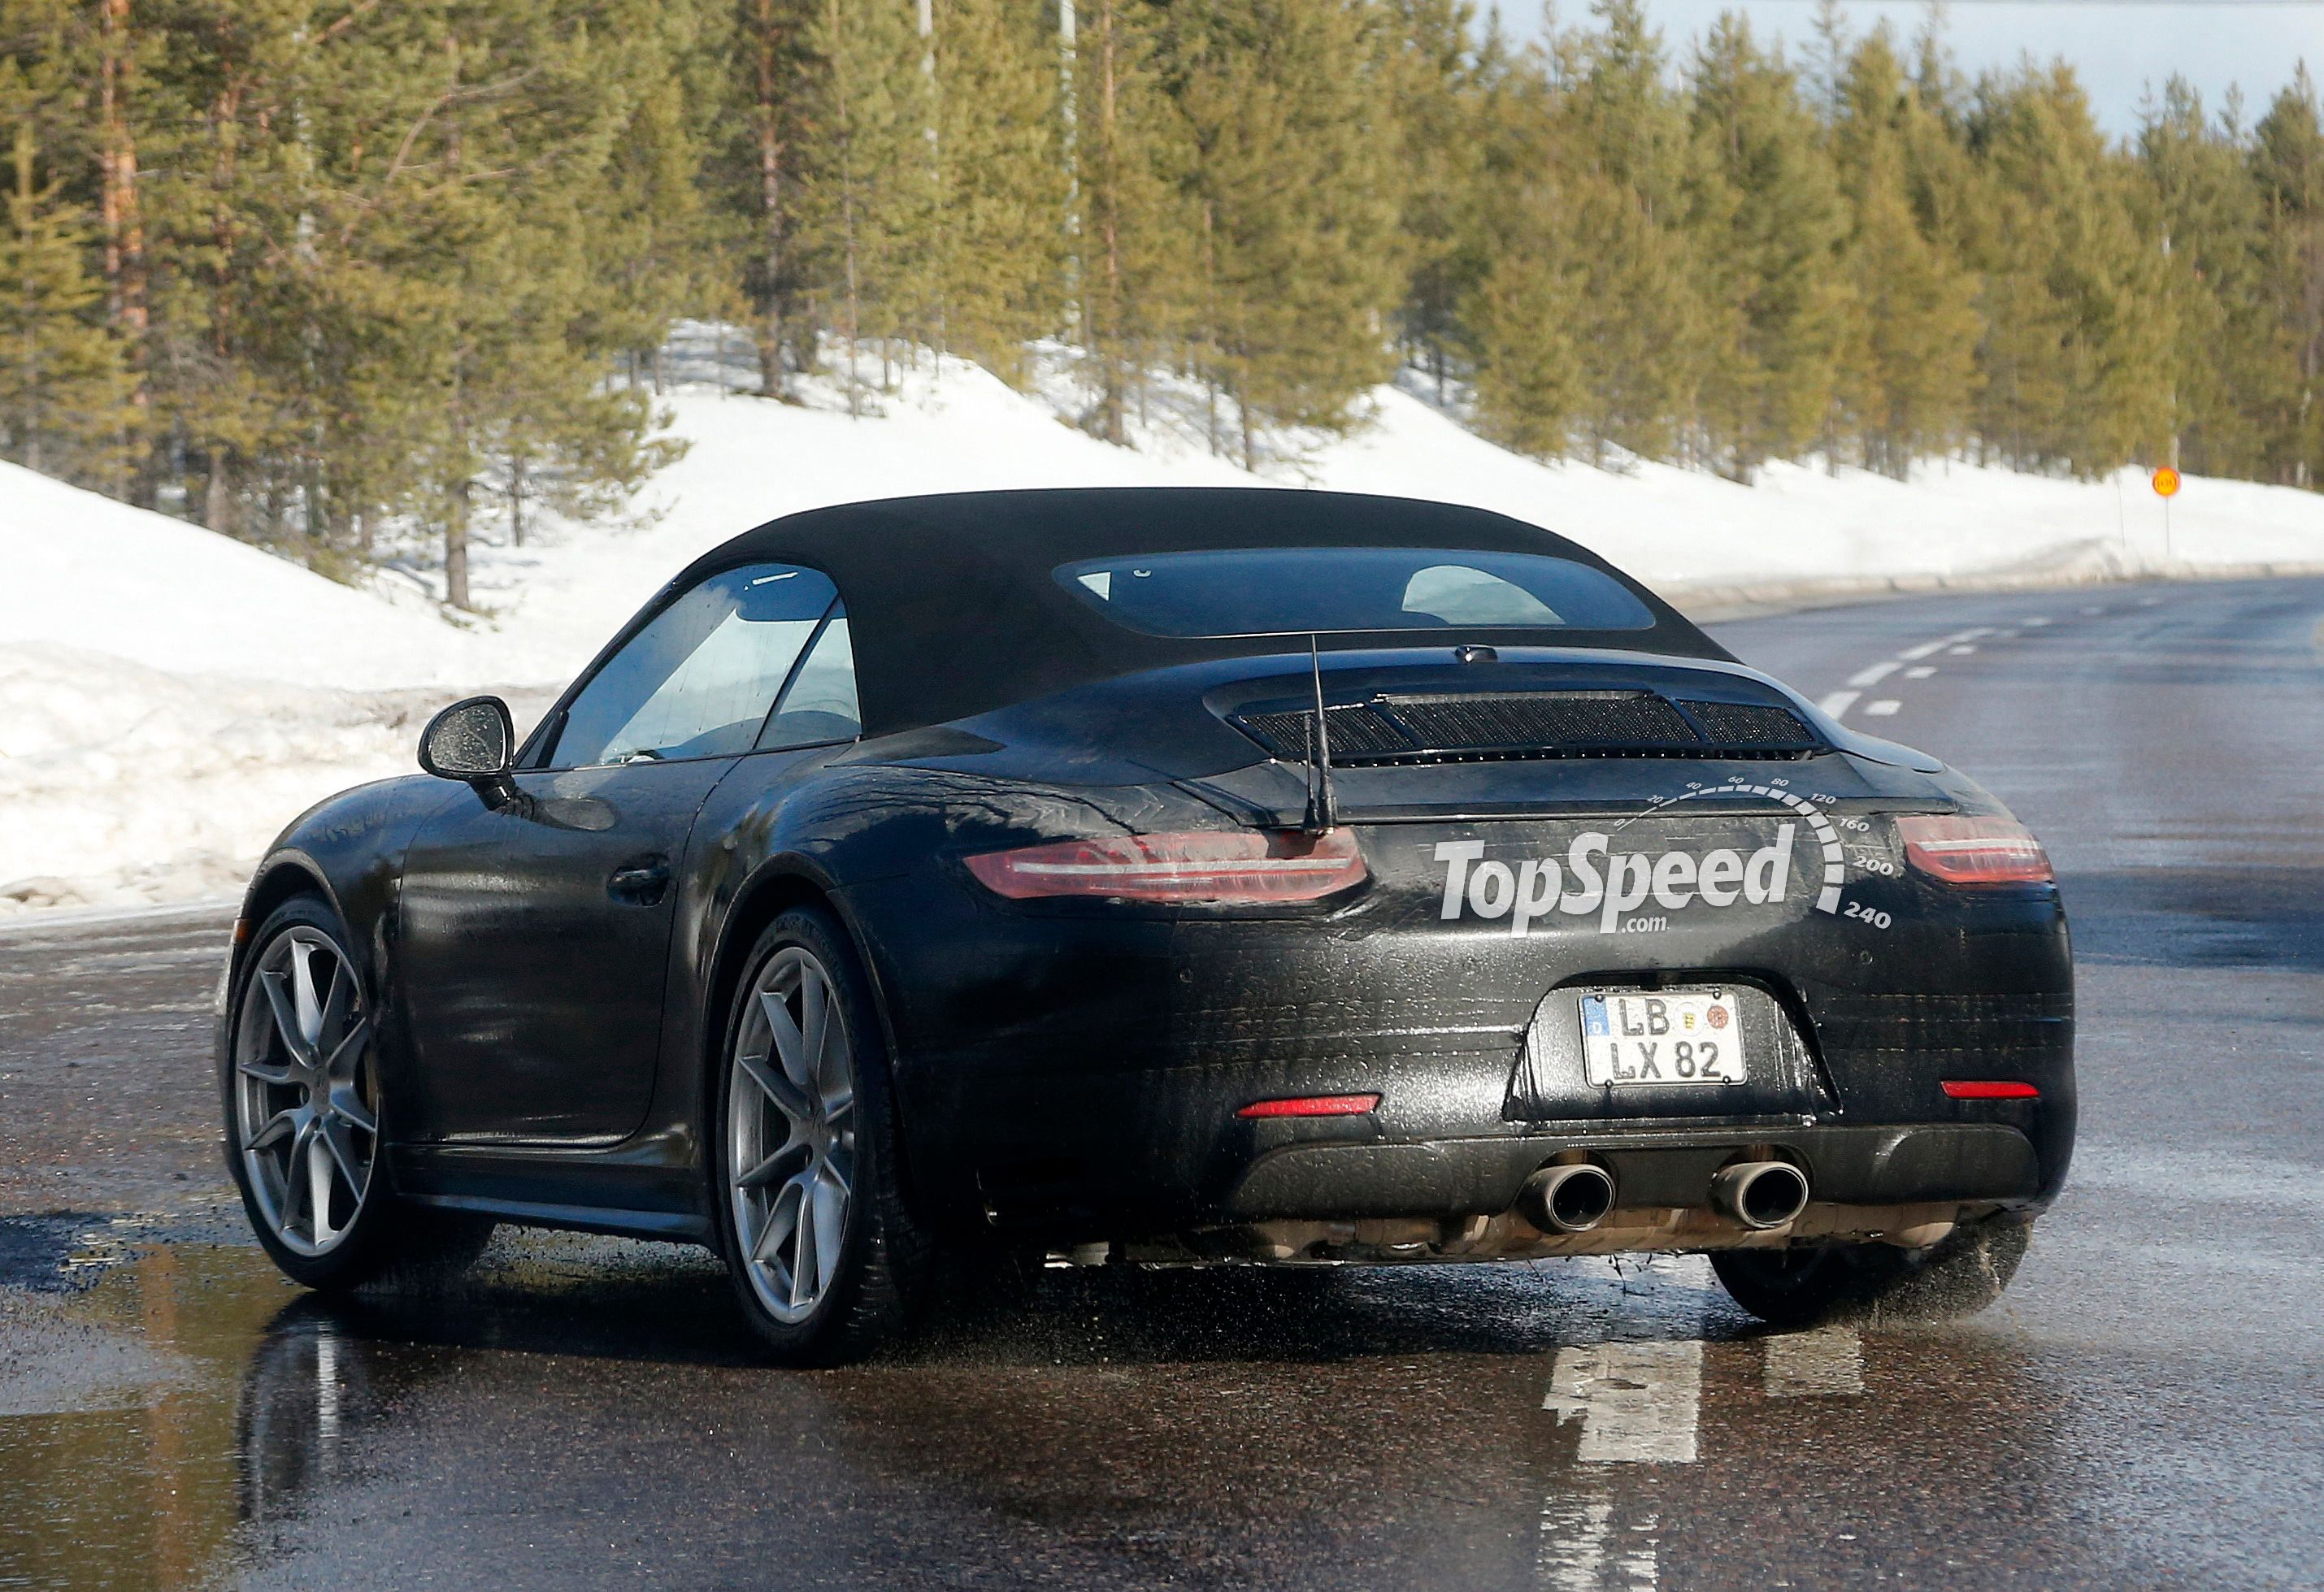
474	741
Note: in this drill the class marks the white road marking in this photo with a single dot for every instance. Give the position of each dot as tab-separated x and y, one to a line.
1576	1534
1838	702
2150	601
1960	651
326	1388
1638	1402
1883	708
1875	674
2091	611
2037	620
1825	1362
1920	671
1942	642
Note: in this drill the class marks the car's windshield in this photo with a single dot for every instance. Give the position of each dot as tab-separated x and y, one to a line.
1293	591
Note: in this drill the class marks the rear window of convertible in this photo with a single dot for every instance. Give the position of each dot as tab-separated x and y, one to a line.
1295	591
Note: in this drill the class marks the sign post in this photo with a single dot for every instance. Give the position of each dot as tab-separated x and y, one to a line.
2166	487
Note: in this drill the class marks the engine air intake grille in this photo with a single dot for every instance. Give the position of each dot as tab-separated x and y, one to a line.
1747	727
1483	726
1571	720
1354	732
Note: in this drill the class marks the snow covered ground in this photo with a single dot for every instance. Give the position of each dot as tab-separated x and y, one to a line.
169	698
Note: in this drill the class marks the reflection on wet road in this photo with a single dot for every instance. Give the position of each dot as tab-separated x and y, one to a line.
581	1409
2141	1409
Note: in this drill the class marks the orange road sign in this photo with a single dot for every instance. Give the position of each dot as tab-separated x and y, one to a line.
2166	483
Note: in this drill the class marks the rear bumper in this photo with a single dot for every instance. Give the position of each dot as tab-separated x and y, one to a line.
1076	1074
1977	1163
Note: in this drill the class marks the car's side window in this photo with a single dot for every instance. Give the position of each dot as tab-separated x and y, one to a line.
697	680
819	706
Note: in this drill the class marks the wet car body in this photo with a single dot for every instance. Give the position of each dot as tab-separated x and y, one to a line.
551	972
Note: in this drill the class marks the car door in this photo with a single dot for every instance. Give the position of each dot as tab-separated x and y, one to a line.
535	934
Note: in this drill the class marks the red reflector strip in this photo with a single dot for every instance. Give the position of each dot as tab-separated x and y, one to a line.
1312	1105
1989	1088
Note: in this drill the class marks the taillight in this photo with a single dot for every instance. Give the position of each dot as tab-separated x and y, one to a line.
1975	850
1235	866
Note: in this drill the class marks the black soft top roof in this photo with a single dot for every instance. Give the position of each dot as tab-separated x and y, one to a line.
953	611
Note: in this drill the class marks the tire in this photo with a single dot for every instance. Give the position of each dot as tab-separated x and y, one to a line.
828	1262
298	1088
1877	1284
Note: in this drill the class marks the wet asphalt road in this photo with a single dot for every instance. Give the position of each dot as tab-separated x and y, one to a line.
2146	1407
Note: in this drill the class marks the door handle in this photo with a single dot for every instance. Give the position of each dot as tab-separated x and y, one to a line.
641	882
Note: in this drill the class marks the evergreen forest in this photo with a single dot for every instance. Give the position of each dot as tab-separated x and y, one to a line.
340	275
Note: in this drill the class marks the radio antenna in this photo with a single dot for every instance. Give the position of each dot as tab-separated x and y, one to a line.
1323	806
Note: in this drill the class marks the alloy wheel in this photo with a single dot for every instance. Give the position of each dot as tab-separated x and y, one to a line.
306	1092
790	1134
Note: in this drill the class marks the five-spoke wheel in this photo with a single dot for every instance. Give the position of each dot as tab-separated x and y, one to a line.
300	1079
305	1092
790	1134
827	1261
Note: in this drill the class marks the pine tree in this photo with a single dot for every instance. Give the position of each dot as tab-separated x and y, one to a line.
1440	83
1279	99
1000	200
1908	361
1145	244
1639	326
2077	349
1768	222
64	387
1518	323
2288	164
2228	360
755	176
867	201
1529	391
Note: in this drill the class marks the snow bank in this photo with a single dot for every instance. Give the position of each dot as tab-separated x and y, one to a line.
169	698
84	571
1682	530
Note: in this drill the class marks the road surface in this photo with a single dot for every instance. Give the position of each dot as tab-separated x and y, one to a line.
2146	1407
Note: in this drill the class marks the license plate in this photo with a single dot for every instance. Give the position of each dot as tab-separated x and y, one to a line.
1671	1036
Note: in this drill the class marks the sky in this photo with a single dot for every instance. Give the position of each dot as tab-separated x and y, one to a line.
2118	48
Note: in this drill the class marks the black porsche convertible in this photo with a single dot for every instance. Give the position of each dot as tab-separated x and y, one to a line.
1164	876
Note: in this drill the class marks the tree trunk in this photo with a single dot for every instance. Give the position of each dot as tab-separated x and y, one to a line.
1068	115
1106	332
516	500
217	496
770	328
847	225
455	546
120	217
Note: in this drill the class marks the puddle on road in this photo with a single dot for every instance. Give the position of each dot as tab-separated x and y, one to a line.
129	1476
582	1405
162	1418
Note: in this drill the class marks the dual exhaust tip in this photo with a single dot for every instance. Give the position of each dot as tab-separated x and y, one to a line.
1575	1199
1568	1199
1760	1194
